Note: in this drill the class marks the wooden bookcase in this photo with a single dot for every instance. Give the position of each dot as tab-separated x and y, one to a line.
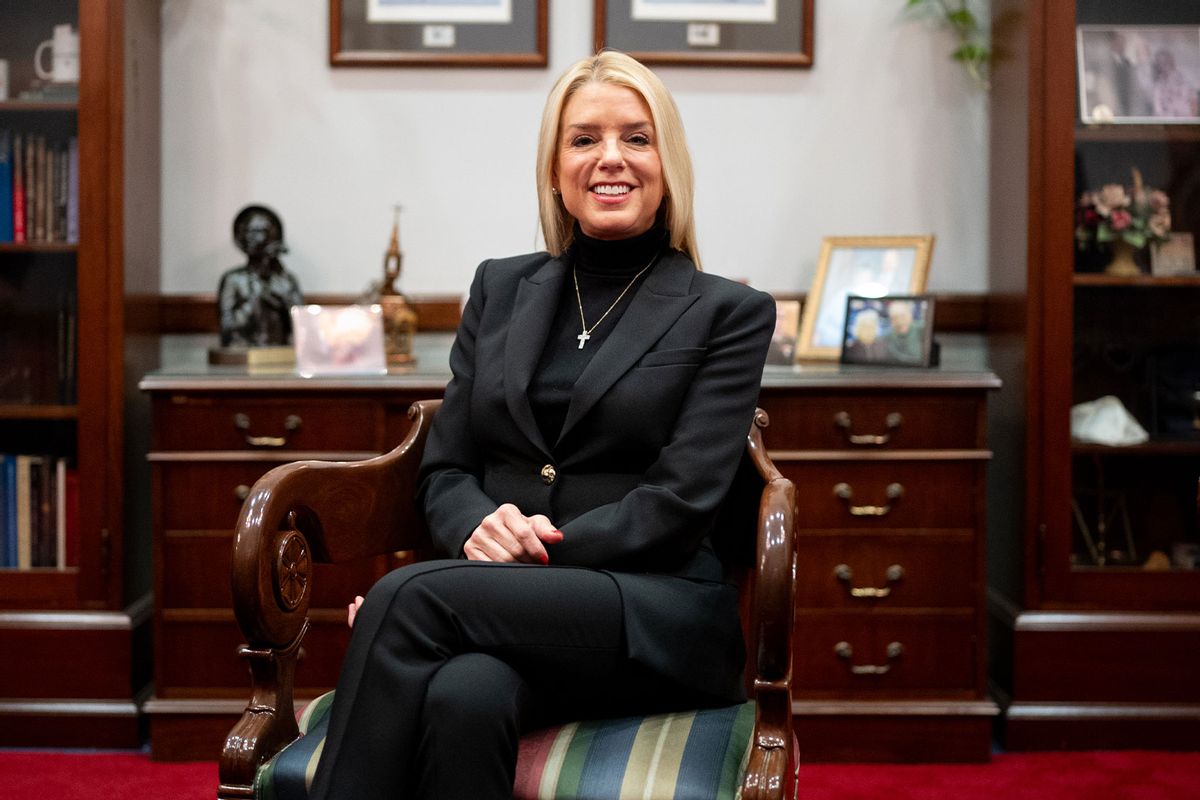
1097	622
75	636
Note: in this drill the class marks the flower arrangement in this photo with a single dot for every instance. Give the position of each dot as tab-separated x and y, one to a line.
1114	215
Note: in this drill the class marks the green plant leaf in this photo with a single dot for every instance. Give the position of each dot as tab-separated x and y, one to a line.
973	51
962	18
970	52
1134	238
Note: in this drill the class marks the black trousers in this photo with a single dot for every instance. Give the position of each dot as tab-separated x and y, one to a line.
450	661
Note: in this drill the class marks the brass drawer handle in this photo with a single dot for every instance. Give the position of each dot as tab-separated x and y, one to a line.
892	422
844	650
241	492
242	423
894	491
843	573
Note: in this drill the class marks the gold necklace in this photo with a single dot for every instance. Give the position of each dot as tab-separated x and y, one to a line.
587	332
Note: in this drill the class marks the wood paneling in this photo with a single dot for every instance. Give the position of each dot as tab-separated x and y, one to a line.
197	313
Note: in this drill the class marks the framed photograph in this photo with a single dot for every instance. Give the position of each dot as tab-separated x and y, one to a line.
1176	256
462	33
787	326
865	266
757	33
896	331
338	340
1137	74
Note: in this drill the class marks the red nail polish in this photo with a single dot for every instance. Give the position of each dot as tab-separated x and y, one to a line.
544	558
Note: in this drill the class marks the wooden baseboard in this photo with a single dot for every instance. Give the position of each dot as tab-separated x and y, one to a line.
1102	726
70	723
903	731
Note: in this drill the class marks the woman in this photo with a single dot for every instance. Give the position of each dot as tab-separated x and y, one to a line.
1173	95
601	396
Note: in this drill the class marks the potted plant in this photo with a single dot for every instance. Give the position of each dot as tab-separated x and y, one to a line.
1124	221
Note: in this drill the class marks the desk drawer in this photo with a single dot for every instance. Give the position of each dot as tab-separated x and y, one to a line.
875	421
886	571
206	495
878	495
249	423
884	652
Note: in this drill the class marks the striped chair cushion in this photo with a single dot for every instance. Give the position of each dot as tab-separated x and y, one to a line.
686	755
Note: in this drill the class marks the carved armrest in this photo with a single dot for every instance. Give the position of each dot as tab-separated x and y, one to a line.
296	514
771	767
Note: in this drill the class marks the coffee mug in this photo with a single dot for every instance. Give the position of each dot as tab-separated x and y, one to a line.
64	56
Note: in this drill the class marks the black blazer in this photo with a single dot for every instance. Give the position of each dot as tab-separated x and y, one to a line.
655	429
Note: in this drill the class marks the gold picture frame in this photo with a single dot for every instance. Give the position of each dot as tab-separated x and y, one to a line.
866	266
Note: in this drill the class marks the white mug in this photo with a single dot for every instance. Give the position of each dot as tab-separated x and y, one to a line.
64	56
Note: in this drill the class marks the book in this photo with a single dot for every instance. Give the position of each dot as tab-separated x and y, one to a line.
71	518
44	184
42	494
73	190
8	510
23	516
18	198
6	187
60	512
60	193
50	184
30	183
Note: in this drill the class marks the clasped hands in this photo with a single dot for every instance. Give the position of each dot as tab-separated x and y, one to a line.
504	536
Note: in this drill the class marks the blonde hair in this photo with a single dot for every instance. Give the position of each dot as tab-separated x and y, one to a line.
616	68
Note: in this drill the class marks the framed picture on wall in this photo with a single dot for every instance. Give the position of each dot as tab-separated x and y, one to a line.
462	33
864	266
893	331
763	33
1137	74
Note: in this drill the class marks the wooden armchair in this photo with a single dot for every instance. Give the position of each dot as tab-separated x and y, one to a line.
332	512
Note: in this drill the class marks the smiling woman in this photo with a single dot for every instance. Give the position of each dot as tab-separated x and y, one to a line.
616	92
571	480
608	171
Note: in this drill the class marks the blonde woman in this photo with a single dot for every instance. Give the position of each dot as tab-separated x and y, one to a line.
599	404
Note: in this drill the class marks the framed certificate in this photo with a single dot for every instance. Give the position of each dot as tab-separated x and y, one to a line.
458	33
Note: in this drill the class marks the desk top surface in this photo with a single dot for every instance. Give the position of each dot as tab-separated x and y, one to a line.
187	369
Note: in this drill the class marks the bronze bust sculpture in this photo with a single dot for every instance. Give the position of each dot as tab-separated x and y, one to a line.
254	300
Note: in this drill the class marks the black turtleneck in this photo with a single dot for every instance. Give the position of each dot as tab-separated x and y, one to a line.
603	268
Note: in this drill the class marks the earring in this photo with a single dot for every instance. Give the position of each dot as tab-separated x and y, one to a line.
553	190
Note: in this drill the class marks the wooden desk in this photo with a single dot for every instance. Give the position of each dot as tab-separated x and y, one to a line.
890	466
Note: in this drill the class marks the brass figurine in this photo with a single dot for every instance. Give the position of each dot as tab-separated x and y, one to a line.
399	319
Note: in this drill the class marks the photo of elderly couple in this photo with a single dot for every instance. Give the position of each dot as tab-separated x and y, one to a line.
888	330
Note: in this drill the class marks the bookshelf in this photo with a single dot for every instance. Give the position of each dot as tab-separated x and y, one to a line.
1096	610
85	158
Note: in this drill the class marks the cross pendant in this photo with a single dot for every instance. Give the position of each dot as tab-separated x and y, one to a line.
583	337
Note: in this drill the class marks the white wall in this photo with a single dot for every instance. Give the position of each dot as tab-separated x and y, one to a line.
885	135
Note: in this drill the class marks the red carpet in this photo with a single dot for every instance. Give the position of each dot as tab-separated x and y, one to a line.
1030	776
